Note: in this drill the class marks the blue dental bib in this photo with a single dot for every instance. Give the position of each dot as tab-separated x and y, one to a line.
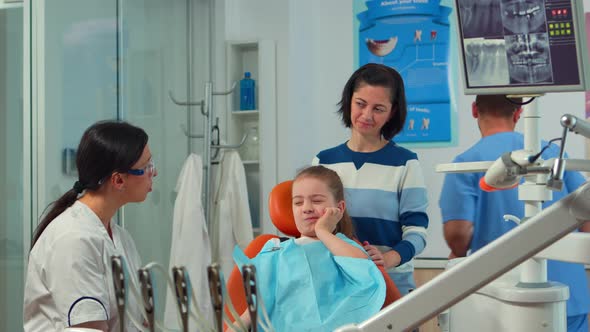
305	287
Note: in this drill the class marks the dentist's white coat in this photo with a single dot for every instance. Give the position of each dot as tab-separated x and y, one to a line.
190	246
232	223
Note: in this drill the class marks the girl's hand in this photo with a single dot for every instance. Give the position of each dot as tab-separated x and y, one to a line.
329	220
374	253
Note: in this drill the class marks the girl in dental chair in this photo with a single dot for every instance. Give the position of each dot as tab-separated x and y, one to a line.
322	280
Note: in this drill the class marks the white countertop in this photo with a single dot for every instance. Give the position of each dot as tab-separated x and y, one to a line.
430	263
439	263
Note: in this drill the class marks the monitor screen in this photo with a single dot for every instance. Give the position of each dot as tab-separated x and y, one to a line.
522	46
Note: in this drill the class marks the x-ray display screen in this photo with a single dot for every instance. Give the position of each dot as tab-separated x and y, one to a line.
528	45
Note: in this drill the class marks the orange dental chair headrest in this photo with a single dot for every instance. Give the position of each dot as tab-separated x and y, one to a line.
280	209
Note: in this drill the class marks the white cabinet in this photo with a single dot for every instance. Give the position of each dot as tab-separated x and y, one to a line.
258	58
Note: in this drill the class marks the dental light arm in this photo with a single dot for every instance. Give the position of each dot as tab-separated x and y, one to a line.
578	126
575	124
483	266
506	172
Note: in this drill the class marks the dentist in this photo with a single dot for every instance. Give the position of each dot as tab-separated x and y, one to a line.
69	281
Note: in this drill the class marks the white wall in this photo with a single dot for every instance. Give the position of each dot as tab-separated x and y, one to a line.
314	60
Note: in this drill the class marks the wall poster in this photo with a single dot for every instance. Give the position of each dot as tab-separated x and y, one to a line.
412	36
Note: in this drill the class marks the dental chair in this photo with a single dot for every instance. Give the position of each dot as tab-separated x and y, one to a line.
281	214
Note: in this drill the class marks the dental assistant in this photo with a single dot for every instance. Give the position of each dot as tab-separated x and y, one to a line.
69	281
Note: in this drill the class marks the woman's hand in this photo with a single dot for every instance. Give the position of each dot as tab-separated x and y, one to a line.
329	220
374	253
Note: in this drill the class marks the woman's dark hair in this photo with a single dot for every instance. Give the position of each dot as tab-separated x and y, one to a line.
332	180
105	147
377	75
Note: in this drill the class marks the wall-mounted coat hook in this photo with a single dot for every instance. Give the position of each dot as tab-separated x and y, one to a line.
185	103
190	135
223	93
234	146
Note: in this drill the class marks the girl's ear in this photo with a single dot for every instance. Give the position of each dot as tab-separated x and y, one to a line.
342	206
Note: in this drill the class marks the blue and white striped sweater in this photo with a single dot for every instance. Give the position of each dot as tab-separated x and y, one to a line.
385	196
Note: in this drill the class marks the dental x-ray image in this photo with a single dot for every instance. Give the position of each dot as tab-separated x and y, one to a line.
529	60
486	63
481	18
523	16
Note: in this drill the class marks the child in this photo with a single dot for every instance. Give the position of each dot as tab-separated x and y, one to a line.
322	280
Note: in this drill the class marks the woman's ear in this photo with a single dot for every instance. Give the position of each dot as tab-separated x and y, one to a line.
118	181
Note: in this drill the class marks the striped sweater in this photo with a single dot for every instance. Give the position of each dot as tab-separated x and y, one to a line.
385	196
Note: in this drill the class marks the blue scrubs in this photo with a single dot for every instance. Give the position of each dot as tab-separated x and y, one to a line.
462	199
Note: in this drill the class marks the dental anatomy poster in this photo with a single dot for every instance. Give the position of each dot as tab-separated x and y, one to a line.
412	36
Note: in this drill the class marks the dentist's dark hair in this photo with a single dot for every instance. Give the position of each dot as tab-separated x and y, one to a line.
105	147
374	74
332	180
498	105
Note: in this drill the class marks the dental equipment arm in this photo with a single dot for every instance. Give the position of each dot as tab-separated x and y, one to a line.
254	301
250	287
181	286
578	126
215	290
147	293
120	290
483	266
219	295
168	280
575	124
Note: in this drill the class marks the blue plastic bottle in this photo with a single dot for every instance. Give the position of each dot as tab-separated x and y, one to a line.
247	94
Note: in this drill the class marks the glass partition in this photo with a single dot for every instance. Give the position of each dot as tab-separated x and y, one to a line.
119	59
12	247
153	53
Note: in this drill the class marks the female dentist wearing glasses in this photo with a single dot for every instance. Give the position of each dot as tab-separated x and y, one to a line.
69	281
